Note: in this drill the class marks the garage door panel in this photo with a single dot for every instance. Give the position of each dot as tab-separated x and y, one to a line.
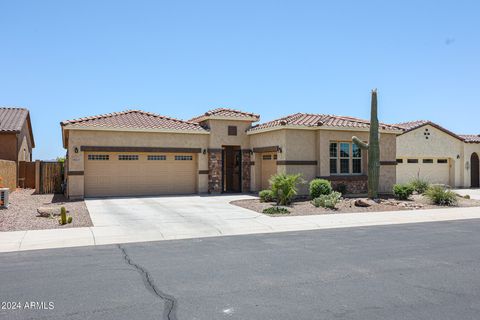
115	177
431	172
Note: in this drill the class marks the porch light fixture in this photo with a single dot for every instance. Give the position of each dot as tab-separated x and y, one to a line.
280	150
204	151
75	150
458	156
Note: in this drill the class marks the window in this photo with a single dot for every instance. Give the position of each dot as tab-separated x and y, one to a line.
183	158
98	157
333	157
345	158
427	160
232	130
356	159
275	157
128	157
442	161
412	160
267	157
399	160
157	157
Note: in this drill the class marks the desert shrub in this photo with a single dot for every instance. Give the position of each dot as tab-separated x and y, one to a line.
403	191
327	200
266	196
285	187
319	187
69	219
276	210
441	196
466	196
420	186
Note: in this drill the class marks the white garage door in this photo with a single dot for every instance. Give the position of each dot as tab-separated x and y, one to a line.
132	174
431	170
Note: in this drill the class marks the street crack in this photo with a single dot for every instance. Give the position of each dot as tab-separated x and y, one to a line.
170	303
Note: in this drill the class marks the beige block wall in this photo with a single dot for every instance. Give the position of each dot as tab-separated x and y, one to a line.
78	138
8	173
439	145
219	133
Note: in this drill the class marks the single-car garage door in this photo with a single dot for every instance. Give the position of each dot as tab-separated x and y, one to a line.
432	170
136	174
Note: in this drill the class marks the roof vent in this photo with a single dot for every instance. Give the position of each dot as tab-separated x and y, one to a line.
283	122
320	123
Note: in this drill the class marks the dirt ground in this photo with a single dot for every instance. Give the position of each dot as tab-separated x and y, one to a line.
22	212
347	205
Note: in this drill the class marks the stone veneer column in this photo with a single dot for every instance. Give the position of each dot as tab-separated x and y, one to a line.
215	171
246	167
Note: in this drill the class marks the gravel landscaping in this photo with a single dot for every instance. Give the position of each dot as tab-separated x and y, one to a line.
22	213
302	207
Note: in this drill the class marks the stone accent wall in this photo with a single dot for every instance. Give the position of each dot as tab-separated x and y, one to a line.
215	171
246	166
353	184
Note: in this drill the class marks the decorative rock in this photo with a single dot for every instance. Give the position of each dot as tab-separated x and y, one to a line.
48	211
365	203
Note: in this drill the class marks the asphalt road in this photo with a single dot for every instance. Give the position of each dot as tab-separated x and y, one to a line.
414	271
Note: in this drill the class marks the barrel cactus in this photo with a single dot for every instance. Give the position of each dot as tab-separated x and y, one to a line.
373	148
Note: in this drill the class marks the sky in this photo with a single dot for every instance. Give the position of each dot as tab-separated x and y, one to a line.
68	59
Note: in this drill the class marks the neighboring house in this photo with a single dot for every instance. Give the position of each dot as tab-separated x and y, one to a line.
140	153
16	136
428	151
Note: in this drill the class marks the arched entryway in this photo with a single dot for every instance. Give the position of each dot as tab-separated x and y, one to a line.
475	171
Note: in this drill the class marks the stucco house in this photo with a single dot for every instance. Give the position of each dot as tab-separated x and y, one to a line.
16	135
140	153
429	151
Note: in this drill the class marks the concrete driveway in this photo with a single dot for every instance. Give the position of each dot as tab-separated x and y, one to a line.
473	193
174	216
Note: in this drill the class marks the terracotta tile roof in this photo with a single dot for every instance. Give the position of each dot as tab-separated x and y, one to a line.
12	119
317	120
471	138
412	125
226	113
133	119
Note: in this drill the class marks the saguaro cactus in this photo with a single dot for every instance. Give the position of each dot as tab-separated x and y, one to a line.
373	148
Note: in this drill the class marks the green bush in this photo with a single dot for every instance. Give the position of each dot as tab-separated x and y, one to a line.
275	210
285	187
466	196
441	196
403	191
69	219
319	187
327	200
266	196
420	186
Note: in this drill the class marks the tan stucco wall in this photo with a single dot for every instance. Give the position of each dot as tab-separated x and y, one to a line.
219	133
313	145
24	143
439	145
78	138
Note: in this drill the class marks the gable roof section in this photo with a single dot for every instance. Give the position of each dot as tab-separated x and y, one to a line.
413	125
470	138
13	119
133	119
320	120
224	113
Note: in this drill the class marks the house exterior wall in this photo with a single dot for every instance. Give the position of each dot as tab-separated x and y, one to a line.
219	133
8	151
439	144
307	152
79	138
24	143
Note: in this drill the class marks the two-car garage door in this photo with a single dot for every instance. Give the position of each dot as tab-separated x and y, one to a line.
135	174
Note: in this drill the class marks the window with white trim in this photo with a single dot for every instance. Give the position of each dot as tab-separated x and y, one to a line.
345	158
184	158
157	157
127	157
102	157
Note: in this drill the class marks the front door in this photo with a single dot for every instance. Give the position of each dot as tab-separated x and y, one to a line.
232	166
475	176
